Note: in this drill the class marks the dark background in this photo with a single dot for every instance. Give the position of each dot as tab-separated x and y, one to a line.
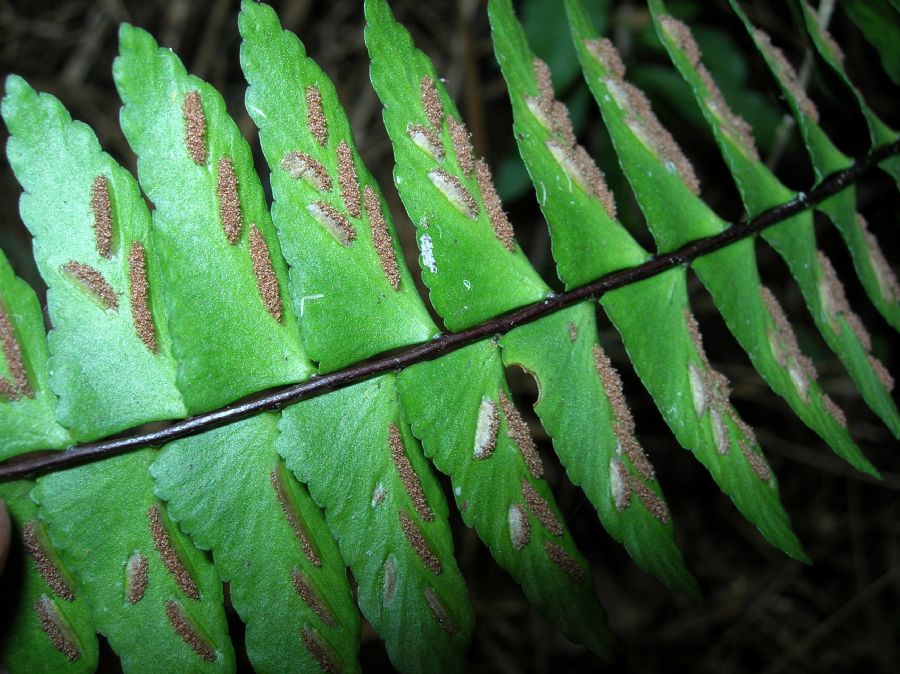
761	611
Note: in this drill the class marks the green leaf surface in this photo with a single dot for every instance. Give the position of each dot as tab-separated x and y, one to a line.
110	356
868	261
656	168
27	406
365	283
661	356
229	490
233	332
495	470
46	623
879	21
794	239
470	262
156	598
831	53
583	409
386	509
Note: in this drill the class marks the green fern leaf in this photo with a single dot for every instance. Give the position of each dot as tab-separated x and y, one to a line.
140	574
92	231
794	240
48	624
831	53
27	406
269	541
879	21
363	283
390	517
495	469
211	230
666	188
878	282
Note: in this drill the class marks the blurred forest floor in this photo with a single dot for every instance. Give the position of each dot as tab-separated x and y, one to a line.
761	612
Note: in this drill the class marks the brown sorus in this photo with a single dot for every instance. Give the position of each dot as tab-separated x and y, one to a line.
496	215
194	127
293	517
54	626
517	431
317	648
266	281
562	559
229	201
381	239
431	101
12	353
540	508
184	628
462	145
419	544
334	221
45	565
310	597
315	116
301	166
102	209
407	474
347	179
439	611
135	577
140	304
170	557
93	280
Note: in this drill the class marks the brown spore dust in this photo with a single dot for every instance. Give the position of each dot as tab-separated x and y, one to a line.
835	299
623	423
12	353
305	590
93	281
170	557
757	462
135	577
788	75
317	648
381	238
573	331
301	166
102	209
389	586
431	101
540	508
419	544
333	220
293	517
517	431
605	52
140	296
426	139
486	427
54	626
655	505
887	281
194	127
439	610
407	475
456	193
185	628
45	565
835	411
736	126
315	115
229	201
462	145
571	156
564	561
347	179
266	280
882	373
496	215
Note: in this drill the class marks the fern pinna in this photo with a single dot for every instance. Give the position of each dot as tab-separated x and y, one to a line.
214	296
